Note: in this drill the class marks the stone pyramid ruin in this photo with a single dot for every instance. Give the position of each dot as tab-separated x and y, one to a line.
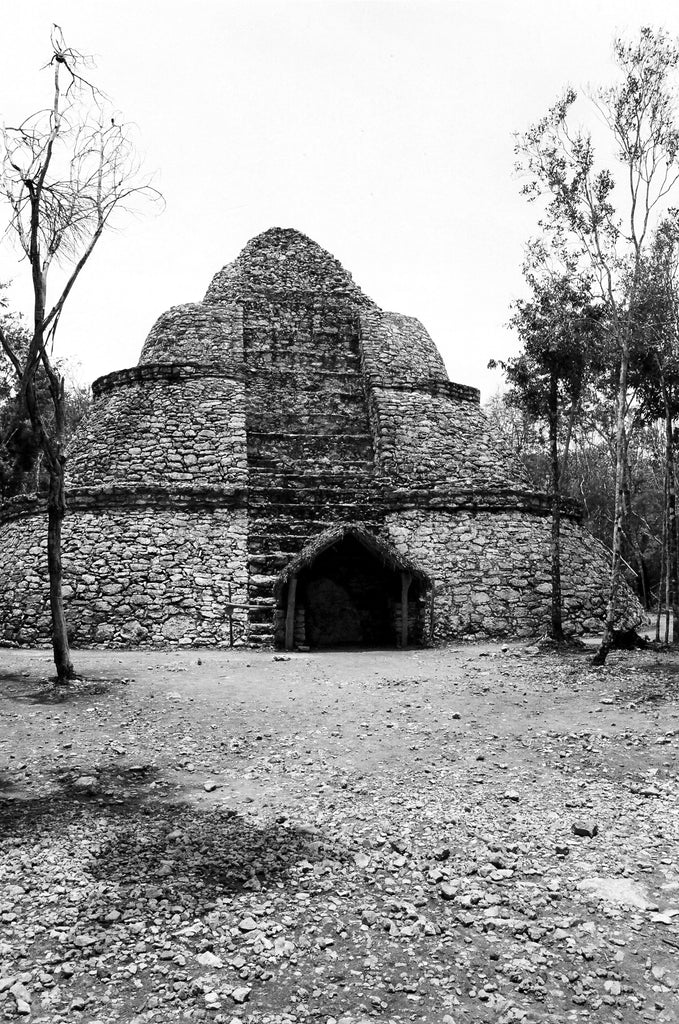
290	465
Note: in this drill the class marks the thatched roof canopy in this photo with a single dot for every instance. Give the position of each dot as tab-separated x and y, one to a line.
377	546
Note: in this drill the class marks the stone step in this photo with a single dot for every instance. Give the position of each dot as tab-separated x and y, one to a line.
276	521
319	426
265	462
262	487
272	524
262	627
302	464
261	634
282	561
282	475
282	548
327	405
272	563
262	582
268	515
363	435
303	358
271	375
288	546
315	452
338	394
262	616
263	493
262	483
335	497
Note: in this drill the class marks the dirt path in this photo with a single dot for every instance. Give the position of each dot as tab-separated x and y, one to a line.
346	836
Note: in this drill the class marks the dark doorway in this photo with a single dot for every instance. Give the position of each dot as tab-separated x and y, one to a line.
351	598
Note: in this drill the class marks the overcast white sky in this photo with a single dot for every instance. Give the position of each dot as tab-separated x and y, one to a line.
381	128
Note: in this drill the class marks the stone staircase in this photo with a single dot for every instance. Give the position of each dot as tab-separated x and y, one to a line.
286	512
310	464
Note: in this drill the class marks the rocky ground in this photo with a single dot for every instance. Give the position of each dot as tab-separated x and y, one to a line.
470	835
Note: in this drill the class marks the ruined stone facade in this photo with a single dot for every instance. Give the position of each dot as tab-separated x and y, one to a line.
288	463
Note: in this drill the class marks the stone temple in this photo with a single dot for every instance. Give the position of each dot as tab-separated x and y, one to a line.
290	465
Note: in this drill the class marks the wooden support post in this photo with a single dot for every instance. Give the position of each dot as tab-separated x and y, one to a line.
290	614
406	580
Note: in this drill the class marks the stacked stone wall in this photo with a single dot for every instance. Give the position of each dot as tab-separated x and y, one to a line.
427	440
132	577
153	577
428	432
397	349
163	432
196	333
491	573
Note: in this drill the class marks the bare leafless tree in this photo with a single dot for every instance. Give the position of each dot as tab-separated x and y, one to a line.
64	172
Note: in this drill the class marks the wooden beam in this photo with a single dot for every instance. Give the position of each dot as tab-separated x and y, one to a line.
406	580
290	614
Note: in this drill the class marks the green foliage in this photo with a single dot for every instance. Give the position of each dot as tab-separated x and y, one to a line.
615	228
21	466
561	332
589	219
654	369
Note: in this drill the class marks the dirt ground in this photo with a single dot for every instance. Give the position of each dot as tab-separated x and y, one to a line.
478	834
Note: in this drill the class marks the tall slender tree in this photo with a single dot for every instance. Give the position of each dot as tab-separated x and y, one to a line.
655	373
605	217
64	172
559	328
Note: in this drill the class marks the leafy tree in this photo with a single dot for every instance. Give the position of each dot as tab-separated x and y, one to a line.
14	456
64	172
655	374
21	464
559	327
603	221
590	475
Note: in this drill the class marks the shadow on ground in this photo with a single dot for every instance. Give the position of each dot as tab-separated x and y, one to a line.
43	690
660	684
156	851
97	785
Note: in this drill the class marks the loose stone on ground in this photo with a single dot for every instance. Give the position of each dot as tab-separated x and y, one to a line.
343	870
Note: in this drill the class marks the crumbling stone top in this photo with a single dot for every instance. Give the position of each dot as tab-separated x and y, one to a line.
284	261
196	332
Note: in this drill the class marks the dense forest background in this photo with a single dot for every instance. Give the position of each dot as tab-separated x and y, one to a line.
590	479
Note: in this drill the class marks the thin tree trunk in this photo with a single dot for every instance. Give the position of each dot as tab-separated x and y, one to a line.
642	572
671	586
616	559
557	624
56	510
663	550
675	527
633	532
665	581
673	598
